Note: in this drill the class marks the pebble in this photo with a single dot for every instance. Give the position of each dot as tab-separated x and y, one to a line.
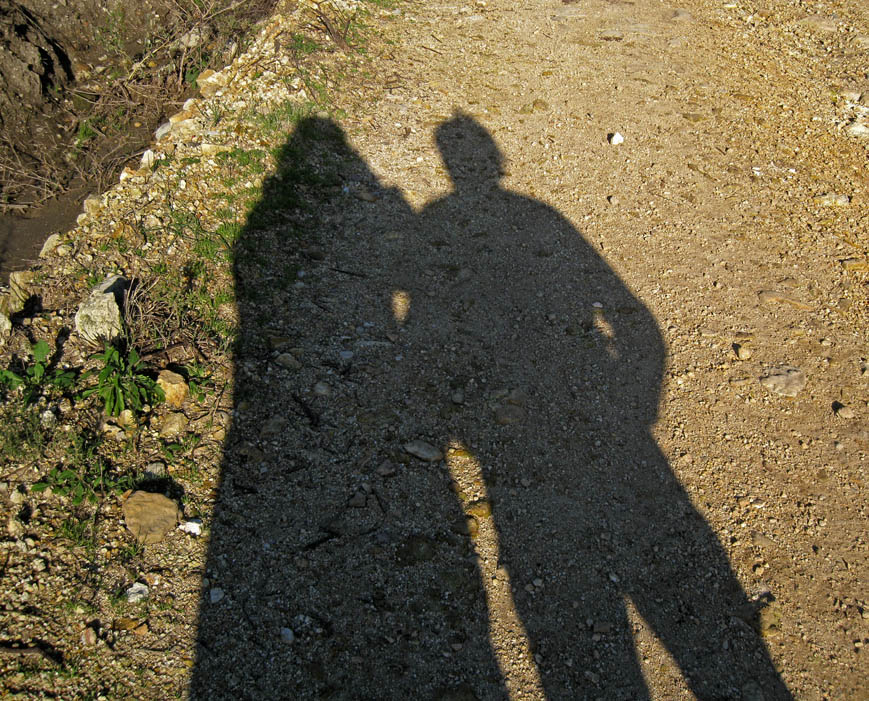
216	594
89	636
786	381
126	419
386	469
51	243
274	427
761	540
321	389
473	526
287	635
615	138
858	129
742	352
481	508
136	593
423	451
843	412
507	414
288	361
833	200
154	470
149	158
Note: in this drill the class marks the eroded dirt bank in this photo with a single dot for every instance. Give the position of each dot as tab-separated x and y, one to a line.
83	85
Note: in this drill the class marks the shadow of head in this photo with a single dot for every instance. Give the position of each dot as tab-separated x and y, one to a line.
468	150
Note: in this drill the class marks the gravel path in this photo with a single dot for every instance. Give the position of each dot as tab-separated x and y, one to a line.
560	389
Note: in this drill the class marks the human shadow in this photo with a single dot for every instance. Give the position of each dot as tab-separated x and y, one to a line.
441	479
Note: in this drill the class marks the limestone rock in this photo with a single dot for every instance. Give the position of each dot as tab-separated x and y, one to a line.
20	290
150	516
99	316
173	425
50	244
174	387
92	204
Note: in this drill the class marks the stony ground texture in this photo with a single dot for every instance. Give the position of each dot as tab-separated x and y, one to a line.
550	374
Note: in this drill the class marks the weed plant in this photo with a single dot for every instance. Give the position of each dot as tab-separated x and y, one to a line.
84	474
35	377
122	383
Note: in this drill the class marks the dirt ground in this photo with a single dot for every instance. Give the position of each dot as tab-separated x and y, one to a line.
568	395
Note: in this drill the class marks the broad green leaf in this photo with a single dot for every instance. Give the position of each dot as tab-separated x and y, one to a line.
40	351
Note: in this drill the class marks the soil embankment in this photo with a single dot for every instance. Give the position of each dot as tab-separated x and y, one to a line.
82	87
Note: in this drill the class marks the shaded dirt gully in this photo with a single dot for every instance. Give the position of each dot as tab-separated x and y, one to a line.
557	390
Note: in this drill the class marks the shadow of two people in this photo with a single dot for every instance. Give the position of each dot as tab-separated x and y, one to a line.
515	343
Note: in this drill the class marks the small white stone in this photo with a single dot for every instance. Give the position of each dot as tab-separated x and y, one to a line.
834	200
615	139
742	352
149	158
858	129
193	526
137	592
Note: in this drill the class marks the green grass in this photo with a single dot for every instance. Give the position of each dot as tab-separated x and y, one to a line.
22	436
85	474
80	531
302	45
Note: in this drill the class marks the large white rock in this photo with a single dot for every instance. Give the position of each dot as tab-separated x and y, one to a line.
99	316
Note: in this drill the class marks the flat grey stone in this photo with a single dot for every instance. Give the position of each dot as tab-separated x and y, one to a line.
423	451
150	516
786	381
